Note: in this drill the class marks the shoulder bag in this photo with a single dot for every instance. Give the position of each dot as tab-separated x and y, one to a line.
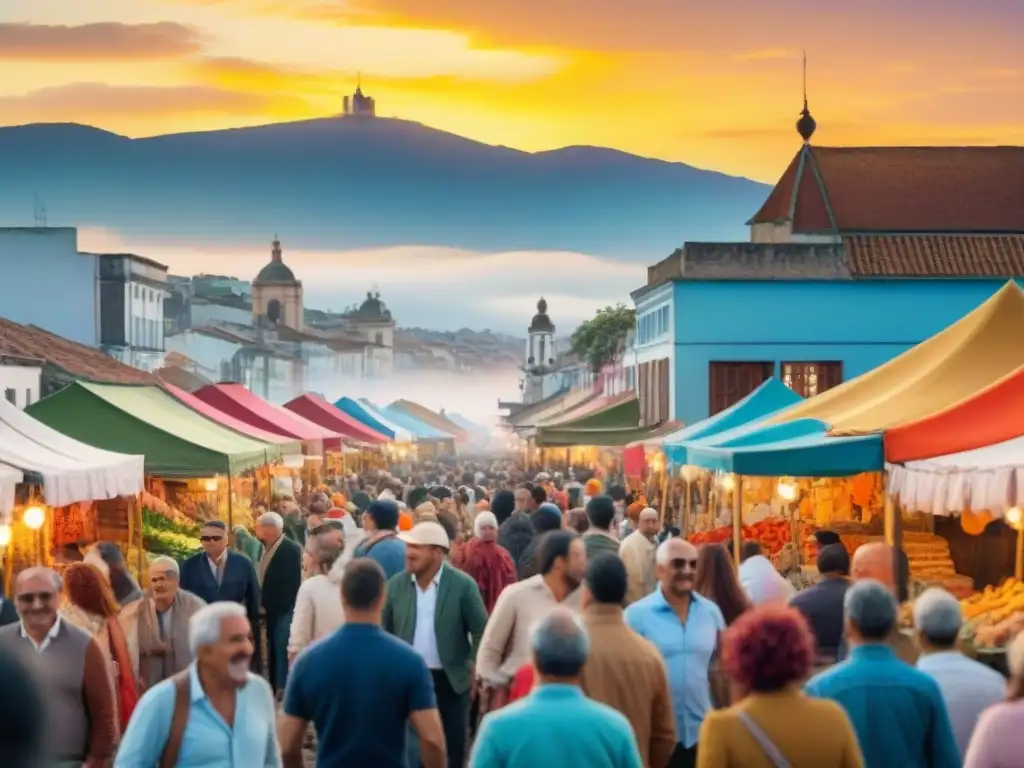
772	752
179	720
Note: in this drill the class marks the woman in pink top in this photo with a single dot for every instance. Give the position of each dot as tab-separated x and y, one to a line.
996	742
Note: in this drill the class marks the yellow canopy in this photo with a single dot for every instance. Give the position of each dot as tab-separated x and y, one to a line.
976	351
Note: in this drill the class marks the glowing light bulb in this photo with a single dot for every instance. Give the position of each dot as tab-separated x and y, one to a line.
786	489
34	517
1013	516
689	472
5	535
210	485
727	483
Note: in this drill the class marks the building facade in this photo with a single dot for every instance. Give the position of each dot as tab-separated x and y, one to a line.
20	379
132	294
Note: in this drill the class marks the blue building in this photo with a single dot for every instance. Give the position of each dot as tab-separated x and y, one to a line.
856	255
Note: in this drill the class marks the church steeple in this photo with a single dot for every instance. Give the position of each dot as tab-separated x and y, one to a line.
806	125
275	250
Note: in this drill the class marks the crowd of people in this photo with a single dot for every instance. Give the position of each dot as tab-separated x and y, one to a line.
477	619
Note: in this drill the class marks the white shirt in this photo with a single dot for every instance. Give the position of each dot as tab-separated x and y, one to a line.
215	565
40	647
968	687
762	583
424	640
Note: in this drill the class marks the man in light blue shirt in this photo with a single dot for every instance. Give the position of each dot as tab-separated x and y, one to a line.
685	627
230	711
897	712
556	725
968	687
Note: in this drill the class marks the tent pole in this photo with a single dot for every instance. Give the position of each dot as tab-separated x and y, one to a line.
686	509
1019	566
737	521
231	514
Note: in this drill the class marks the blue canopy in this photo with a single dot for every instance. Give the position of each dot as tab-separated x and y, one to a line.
420	430
767	399
801	448
477	430
361	414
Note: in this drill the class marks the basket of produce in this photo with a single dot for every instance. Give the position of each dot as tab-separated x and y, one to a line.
994	617
163	536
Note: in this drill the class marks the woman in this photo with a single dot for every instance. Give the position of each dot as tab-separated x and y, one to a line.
487	562
767	654
90	605
546	518
716	580
996	742
247	544
111	564
318	610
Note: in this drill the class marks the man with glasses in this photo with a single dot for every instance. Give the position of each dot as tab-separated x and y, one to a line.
685	627
72	671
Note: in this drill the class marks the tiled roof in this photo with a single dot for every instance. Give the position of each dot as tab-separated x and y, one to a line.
935	255
75	359
181	378
900	189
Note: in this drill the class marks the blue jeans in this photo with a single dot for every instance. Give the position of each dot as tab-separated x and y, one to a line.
278	630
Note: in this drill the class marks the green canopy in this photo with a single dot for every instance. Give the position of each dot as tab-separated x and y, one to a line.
617	423
176	441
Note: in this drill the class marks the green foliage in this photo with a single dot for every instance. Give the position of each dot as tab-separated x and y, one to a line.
597	340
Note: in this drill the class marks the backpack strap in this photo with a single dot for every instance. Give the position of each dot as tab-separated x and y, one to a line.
179	720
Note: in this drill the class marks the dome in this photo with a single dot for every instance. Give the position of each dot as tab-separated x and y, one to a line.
373	309
276	272
541	323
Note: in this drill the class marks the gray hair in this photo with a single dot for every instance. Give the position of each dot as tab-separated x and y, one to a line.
205	625
166	564
871	608
271	518
560	644
938	616
41	572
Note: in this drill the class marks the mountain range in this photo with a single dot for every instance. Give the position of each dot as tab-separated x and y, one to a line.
346	183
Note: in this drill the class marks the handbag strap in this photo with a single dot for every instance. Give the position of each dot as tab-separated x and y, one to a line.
772	752
179	720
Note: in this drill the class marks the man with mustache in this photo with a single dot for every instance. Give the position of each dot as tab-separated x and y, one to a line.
181	721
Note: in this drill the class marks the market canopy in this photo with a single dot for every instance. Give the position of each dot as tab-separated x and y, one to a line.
237	401
477	432
436	420
69	470
289	446
372	419
985	479
993	415
772	396
319	411
550	407
950	367
420	430
145	420
608	421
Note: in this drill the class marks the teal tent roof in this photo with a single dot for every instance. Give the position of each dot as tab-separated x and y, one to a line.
767	399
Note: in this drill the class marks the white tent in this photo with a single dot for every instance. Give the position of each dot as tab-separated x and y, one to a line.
988	478
71	471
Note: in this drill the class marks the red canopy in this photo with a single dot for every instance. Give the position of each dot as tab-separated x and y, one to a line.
235	400
224	419
993	415
319	411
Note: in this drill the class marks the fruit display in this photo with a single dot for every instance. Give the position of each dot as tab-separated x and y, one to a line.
773	533
995	615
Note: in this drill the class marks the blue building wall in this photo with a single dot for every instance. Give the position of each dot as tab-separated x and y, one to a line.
860	323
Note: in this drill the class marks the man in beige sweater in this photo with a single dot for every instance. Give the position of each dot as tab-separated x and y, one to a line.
637	552
505	645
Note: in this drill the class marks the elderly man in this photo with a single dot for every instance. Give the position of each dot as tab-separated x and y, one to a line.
160	646
216	713
72	673
897	711
637	552
557	724
280	575
438	610
685	627
967	686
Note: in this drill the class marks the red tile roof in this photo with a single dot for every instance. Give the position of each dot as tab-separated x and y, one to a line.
77	360
900	189
934	255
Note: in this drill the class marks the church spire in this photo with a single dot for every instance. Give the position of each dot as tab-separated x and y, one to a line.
806	125
275	252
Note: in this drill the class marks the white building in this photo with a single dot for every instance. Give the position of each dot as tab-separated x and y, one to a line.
132	293
20	379
539	365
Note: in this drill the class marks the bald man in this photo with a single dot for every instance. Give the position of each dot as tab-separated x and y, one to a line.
637	552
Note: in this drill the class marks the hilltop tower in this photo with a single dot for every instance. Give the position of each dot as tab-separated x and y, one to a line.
358	104
540	353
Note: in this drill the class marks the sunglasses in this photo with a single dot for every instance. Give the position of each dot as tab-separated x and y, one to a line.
28	598
680	563
210	538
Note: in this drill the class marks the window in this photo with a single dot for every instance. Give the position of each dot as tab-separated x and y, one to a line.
810	379
28	397
380	338
135	290
731	382
11	395
653	389
136	331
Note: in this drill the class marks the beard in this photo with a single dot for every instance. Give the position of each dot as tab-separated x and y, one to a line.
238	669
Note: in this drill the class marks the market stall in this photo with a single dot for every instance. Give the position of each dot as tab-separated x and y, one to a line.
434	419
402	447
431	442
314	408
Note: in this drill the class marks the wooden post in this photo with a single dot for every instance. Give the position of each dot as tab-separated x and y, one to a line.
1019	566
737	521
231	514
687	505
664	495
893	531
140	539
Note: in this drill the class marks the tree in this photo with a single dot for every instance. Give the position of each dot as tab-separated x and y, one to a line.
597	340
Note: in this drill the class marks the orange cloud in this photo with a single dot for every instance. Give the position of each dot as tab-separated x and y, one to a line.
102	40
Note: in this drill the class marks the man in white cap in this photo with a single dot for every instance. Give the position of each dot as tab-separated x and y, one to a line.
438	610
637	552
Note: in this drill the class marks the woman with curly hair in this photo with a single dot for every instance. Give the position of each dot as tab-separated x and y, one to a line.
767	654
716	580
91	606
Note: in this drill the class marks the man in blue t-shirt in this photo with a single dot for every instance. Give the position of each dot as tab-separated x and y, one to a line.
380	522
360	687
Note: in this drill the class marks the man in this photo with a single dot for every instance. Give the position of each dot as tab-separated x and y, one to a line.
599	537
280	576
215	714
968	687
822	603
72	674
505	646
217	574
23	716
556	724
759	579
637	552
686	628
516	532
162	617
380	523
359	687
623	670
437	609
897	711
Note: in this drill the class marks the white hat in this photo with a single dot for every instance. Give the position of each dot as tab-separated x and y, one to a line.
426	534
387	493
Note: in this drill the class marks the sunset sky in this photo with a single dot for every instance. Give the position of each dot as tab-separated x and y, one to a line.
713	84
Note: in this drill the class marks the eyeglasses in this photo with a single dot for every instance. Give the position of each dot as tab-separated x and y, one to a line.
210	538
681	563
28	598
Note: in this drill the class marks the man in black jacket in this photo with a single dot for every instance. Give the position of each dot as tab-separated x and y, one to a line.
280	575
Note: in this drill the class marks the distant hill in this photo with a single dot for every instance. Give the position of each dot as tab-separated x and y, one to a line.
344	183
